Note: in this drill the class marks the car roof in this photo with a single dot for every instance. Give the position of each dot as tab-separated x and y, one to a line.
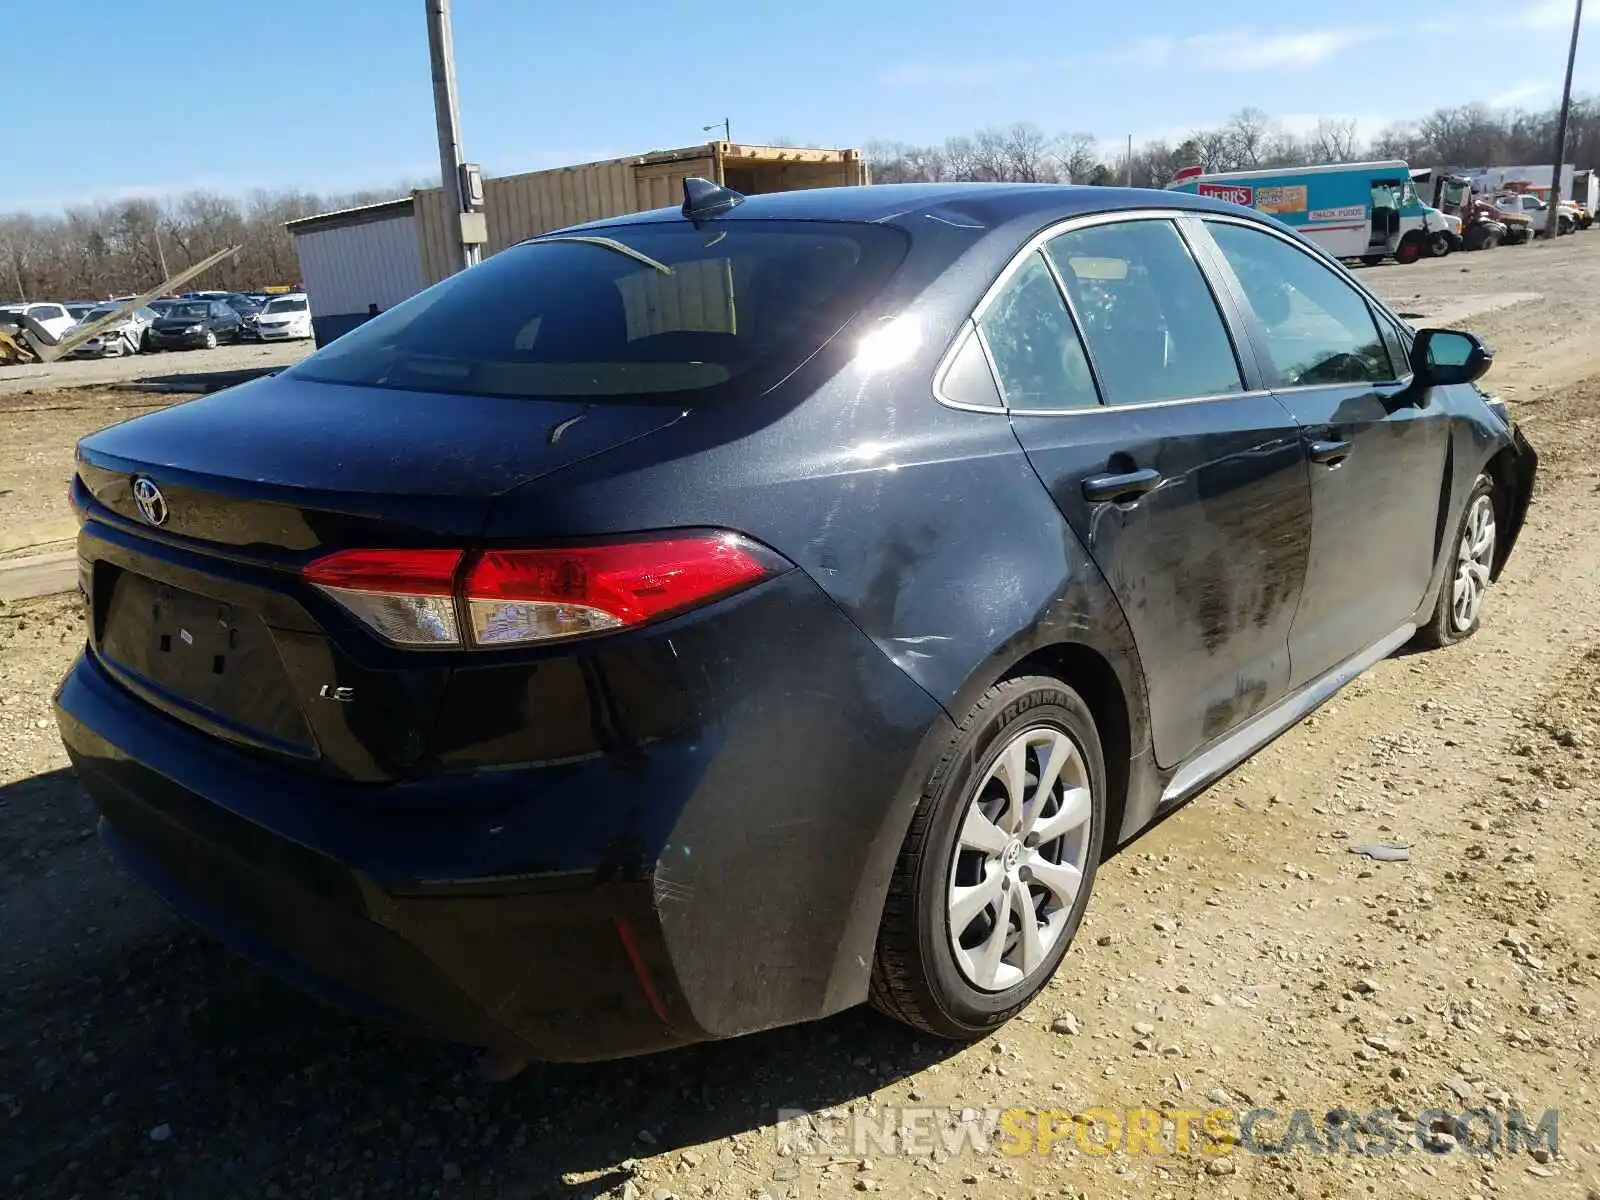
985	204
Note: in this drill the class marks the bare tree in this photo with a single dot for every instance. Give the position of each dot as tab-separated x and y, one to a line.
961	154
1333	140
1078	155
1470	134
1395	141
1249	133
1214	150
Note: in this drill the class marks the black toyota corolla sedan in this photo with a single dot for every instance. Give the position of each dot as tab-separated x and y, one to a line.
717	617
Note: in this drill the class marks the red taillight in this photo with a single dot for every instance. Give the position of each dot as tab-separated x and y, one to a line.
415	572
513	597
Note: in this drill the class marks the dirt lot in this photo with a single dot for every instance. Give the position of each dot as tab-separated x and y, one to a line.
1238	955
96	371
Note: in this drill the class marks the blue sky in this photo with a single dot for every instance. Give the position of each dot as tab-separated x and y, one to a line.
334	94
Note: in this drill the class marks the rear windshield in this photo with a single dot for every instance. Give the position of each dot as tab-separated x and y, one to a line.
735	304
277	306
190	311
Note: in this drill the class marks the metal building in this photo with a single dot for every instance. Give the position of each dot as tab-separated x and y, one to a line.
357	262
523	206
362	260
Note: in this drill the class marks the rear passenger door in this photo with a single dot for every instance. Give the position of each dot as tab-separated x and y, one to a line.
1181	476
1377	446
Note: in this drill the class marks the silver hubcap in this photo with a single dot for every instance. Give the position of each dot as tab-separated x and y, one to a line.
1019	860
1474	556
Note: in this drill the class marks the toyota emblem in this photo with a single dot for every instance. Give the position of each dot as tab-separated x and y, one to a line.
152	504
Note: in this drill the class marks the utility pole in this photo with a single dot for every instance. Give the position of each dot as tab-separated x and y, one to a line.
1130	160
726	125
1553	219
447	114
161	255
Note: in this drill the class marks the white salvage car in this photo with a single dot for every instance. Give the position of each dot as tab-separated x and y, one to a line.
285	318
53	318
128	336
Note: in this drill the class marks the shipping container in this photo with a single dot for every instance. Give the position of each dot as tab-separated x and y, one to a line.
357	262
517	207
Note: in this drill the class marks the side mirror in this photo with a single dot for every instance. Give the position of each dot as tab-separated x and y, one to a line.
1440	357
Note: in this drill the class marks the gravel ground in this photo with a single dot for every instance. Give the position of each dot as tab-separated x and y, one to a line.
1237	955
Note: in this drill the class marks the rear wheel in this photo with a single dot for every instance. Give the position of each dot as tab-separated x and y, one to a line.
1459	609
995	871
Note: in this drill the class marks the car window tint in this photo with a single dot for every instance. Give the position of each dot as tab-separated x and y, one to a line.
1035	348
1152	325
47	312
654	312
1318	328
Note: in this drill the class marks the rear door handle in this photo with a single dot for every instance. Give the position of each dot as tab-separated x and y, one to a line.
1330	452
1121	487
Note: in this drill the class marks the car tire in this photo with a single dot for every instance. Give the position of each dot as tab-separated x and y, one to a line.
1439	245
1459	609
957	865
211	339
1410	249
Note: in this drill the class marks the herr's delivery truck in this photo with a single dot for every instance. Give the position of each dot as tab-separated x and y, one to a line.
1369	211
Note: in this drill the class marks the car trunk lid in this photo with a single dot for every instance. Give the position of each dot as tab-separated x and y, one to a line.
199	519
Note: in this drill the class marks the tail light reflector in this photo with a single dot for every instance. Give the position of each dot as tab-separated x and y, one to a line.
404	596
516	597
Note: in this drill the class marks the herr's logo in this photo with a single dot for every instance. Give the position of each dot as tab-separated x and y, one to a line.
152	504
1235	193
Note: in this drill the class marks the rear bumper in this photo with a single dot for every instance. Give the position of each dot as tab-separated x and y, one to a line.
727	880
543	971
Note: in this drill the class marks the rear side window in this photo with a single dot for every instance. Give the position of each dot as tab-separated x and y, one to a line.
1035	348
1318	328
663	313
1153	327
968	379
